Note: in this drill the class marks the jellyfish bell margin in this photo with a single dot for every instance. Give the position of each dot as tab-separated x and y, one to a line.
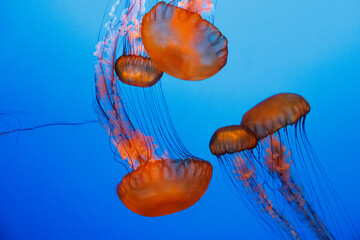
183	44
166	186
231	139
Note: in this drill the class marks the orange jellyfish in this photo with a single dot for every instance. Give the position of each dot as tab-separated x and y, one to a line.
134	67
163	176
234	147
278	123
137	71
181	43
275	113
166	186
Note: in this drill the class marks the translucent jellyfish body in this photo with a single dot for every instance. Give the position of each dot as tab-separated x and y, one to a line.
274	113
231	139
137	71
182	44
166	186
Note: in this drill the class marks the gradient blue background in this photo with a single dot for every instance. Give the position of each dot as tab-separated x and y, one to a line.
59	182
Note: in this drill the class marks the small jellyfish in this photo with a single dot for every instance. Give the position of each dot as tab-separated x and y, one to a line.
232	139
134	67
137	71
183	44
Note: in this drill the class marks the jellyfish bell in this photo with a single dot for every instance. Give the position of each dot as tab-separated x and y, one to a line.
159	186
165	186
274	113
231	139
183	44
137	71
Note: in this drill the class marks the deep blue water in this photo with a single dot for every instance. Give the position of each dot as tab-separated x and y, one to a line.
59	182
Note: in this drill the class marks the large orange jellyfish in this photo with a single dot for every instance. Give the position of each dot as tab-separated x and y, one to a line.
181	43
164	177
288	167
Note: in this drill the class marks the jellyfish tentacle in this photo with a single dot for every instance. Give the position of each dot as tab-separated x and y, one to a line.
255	188
277	160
